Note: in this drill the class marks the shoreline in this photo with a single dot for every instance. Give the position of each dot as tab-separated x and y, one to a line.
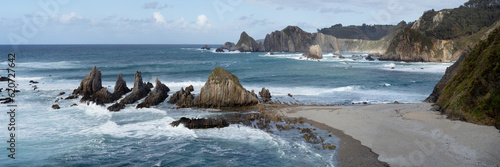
402	135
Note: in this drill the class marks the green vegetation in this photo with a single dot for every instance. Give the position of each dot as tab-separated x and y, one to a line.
463	21
220	74
409	38
473	94
365	32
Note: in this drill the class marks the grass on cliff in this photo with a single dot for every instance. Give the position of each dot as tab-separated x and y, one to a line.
414	37
220	74
473	94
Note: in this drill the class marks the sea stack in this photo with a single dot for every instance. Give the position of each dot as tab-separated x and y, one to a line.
314	52
158	95
223	90
139	91
91	84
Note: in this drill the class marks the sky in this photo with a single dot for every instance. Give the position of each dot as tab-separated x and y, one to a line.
190	21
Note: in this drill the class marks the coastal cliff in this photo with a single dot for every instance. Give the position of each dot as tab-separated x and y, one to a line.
470	89
246	44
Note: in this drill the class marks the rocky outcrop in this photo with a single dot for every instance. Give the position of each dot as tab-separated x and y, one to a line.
89	85
265	95
314	52
56	106
183	98
219	49
223	90
248	44
158	95
201	123
139	91
206	47
470	89
102	97
120	88
228	45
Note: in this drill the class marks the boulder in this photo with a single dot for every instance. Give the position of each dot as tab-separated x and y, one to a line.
369	58
120	88
116	107
219	49
206	47
183	98
341	57
158	95
314	52
223	90
265	95
201	123
55	106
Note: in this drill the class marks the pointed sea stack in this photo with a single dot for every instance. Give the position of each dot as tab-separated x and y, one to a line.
158	95
120	88
223	90
89	85
139	91
183	98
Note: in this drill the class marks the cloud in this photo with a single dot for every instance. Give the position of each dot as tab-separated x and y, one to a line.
202	20
154	5
71	18
336	10
159	18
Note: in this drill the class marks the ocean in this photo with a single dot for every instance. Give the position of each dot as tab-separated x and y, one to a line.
89	135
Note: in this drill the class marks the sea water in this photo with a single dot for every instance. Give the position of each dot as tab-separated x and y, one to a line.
89	135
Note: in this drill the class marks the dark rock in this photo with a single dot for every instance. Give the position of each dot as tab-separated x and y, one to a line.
33	82
393	68
341	57
183	98
61	93
102	97
201	123
265	94
219	49
55	106
116	107
272	53
228	45
90	84
158	95
223	90
314	52
396	102
206	47
290	95
74	105
120	88
369	58
6	100
71	97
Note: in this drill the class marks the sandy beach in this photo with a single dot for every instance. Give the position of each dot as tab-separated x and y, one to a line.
404	135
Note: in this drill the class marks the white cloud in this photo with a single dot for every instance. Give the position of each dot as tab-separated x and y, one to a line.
158	17
202	20
72	17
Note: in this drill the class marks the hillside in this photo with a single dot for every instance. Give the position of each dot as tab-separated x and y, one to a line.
470	89
364	32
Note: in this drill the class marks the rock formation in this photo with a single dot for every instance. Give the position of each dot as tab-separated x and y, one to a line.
470	89
183	98
228	45
139	91
314	52
265	95
219	49
89	85
248	44
120	88
158	95
223	90
206	47
201	123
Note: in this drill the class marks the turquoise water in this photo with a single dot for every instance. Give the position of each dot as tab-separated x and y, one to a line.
89	135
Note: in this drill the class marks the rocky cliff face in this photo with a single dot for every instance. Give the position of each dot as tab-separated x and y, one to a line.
314	52
470	89
247	44
157	95
90	84
223	90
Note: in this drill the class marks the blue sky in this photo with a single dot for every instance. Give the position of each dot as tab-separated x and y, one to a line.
190	22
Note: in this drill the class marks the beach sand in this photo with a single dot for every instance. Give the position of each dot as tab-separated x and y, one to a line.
403	135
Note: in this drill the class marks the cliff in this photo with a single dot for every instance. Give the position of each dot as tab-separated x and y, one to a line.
247	44
470	89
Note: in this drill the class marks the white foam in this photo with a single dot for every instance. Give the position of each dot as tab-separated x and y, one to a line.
47	65
418	67
307	91
389	65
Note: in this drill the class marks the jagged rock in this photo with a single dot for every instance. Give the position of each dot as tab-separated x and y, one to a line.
102	97
139	91
120	88
201	123
158	95
219	49
89	85
228	45
183	98
265	95
71	97
74	105
248	44
314	52
61	93
55	106
206	47
341	57
223	90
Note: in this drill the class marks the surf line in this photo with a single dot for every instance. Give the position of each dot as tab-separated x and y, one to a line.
12	108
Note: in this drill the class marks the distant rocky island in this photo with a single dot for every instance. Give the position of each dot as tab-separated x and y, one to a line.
437	36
